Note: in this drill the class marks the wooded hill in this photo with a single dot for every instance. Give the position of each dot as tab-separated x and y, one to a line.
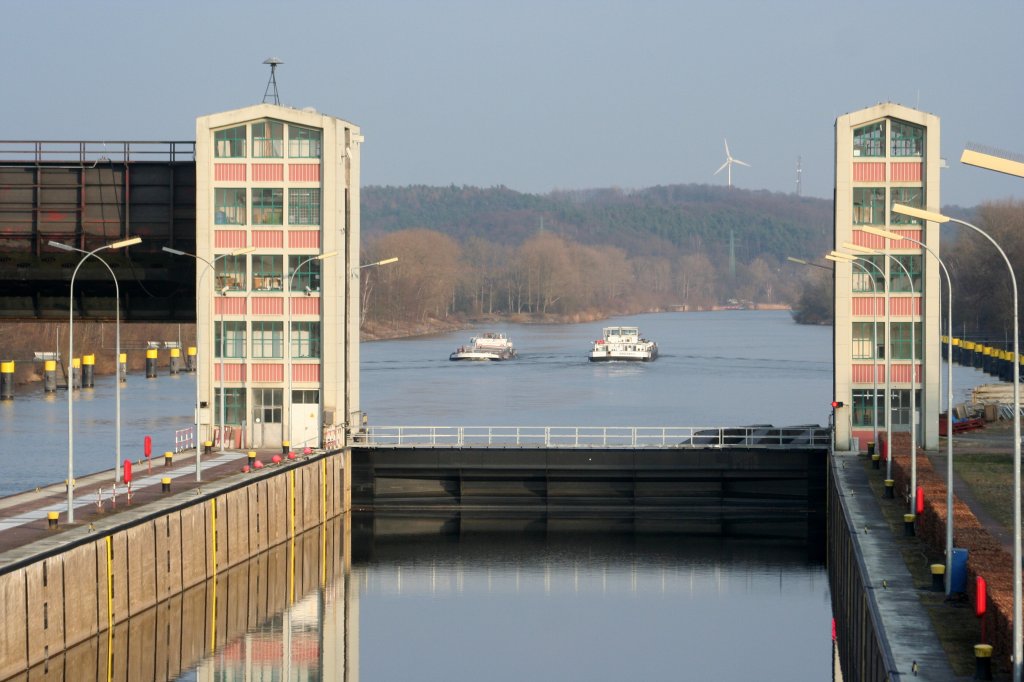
467	252
655	221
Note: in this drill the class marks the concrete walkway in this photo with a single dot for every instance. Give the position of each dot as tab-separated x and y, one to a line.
23	517
905	623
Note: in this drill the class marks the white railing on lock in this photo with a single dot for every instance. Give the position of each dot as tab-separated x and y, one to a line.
592	436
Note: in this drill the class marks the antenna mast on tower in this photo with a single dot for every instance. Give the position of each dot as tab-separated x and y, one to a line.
799	177
271	91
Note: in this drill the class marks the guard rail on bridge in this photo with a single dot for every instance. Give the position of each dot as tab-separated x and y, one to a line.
811	436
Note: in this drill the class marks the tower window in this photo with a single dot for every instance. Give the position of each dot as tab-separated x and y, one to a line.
268	140
303	143
303	206
868	205
908	196
869	140
229	206
907	139
230	143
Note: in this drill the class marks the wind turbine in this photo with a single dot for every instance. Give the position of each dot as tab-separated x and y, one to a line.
729	161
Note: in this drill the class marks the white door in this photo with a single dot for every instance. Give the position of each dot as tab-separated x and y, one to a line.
305	425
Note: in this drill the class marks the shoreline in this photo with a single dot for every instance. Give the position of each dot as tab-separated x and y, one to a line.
23	339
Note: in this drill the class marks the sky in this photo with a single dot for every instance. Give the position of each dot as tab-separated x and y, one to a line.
535	95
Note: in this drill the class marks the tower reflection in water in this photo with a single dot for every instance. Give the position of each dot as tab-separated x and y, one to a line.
507	600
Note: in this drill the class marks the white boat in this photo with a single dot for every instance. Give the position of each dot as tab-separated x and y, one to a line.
623	343
488	346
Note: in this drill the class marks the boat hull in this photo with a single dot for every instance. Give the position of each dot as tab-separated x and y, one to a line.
619	357
478	356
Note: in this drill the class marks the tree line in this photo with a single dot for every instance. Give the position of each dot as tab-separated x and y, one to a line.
471	252
982	288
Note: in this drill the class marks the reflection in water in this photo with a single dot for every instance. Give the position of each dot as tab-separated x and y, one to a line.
486	599
571	601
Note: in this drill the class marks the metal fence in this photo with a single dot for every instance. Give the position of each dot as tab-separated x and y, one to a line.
811	436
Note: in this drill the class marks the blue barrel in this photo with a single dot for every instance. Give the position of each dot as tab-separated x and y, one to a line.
958	578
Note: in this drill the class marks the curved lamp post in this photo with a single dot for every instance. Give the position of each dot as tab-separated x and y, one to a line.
932	216
913	371
199	284
949	391
874	344
71	352
838	256
288	339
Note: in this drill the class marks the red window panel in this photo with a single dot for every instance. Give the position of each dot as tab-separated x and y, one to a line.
871	241
268	239
906	306
229	172
304	239
862	374
901	374
304	172
867	171
233	371
266	371
862	306
229	305
306	305
268	172
267	305
906	171
306	373
229	239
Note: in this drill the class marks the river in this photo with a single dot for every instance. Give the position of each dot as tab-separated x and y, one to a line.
561	603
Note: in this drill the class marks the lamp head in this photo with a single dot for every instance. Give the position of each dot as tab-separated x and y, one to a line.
920	214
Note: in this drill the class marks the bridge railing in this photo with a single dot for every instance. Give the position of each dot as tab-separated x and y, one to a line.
810	436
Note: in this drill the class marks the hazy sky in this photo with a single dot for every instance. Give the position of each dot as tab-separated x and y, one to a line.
534	94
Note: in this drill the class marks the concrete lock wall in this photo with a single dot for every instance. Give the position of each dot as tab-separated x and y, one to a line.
863	655
58	602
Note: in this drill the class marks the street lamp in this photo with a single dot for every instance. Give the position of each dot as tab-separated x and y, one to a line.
838	256
936	217
913	370
877	231
288	339
71	353
386	261
199	284
874	341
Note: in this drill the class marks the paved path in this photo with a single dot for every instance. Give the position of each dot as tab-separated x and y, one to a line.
905	623
23	517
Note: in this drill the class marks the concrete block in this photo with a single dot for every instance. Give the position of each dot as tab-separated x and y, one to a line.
44	590
119	562
140	578
13	633
277	509
168	555
238	550
257	517
223	537
81	613
194	544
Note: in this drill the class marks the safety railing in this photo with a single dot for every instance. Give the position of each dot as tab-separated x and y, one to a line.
185	439
811	436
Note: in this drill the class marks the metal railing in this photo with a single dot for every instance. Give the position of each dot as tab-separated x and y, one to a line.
810	436
95	152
